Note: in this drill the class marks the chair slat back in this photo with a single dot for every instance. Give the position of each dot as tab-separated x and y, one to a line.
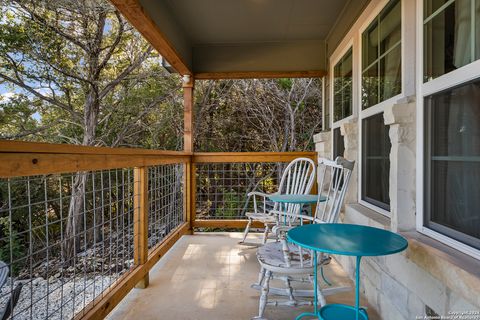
333	181
297	178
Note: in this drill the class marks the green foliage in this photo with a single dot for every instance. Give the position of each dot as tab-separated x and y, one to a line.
285	83
69	83
232	202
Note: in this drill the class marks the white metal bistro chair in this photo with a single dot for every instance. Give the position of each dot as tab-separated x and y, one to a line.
297	178
288	262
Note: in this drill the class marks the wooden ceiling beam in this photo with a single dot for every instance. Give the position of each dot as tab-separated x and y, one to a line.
259	75
133	11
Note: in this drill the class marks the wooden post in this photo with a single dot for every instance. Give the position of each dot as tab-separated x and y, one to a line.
188	87
193	193
140	221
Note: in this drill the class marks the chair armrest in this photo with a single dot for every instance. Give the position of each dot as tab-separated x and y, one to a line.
261	194
293	215
277	230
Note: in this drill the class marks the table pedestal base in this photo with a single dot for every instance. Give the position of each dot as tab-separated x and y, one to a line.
342	311
335	312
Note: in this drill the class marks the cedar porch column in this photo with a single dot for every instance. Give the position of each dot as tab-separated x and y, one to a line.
189	168
188	87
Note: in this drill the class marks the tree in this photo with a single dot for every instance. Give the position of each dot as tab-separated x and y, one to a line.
92	79
257	115
251	115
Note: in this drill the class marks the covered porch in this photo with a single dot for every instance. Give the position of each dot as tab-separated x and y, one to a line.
160	203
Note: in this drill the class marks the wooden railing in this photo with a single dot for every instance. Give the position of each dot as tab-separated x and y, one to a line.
263	165
25	159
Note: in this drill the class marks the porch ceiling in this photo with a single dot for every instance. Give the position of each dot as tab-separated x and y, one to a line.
222	38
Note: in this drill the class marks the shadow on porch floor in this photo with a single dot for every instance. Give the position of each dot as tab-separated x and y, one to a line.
208	276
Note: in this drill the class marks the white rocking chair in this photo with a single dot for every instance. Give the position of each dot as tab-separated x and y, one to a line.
297	178
288	262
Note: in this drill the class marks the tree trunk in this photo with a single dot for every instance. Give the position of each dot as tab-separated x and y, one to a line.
74	219
76	211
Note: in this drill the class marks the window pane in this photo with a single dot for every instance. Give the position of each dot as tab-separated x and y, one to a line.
338	144
449	42
381	56
370	45
346	67
390	79
453	163
376	162
343	87
439	43
337	106
347	84
370	80
430	6
347	99
390	31
327	104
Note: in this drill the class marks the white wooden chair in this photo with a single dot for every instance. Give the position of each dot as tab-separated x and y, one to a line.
288	262
297	178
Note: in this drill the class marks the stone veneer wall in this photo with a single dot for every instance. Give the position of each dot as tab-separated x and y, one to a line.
428	273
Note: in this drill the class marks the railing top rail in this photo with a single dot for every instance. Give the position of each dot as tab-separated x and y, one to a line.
8	146
21	158
219	157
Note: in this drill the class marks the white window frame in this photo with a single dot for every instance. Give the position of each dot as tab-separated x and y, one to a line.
380	107
457	77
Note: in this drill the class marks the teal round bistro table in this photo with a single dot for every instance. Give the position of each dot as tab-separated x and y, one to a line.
350	240
295	198
300	199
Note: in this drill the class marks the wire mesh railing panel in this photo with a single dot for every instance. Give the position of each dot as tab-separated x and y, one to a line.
222	188
64	240
165	194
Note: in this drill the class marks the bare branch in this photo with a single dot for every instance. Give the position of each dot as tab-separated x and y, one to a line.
52	101
111	48
109	87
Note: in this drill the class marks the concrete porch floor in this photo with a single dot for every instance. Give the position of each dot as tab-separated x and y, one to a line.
208	276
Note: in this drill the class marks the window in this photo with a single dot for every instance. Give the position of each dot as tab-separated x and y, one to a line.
338	143
452	163
342	87
381	80
376	162
382	56
451	35
451	128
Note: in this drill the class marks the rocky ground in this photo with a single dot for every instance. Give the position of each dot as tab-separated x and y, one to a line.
53	290
55	298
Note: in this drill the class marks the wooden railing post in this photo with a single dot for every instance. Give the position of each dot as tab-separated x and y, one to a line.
193	193
188	135
140	221
188	122
188	192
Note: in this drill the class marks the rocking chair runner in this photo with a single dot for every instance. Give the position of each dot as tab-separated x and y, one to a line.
288	262
297	178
